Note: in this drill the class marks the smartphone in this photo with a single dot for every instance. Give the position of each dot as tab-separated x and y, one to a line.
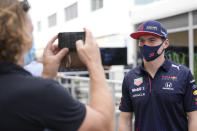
68	39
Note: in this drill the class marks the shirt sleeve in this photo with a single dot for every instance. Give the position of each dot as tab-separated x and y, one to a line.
61	111
125	103
190	97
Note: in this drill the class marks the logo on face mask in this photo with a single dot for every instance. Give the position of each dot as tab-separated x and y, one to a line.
149	53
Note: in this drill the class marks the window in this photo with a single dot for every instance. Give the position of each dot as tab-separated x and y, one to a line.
52	20
39	26
71	12
96	4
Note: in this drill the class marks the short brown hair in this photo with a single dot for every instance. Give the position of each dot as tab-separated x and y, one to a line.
13	30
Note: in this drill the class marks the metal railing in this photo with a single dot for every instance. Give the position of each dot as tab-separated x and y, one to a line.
78	84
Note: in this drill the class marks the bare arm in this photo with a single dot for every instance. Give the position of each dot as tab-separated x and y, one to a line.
192	120
125	121
100	112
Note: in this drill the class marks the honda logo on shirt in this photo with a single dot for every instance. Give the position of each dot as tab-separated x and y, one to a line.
168	86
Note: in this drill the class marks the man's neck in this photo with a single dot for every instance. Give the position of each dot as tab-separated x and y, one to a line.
20	59
152	66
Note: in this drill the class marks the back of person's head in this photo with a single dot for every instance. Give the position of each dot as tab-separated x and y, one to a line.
13	30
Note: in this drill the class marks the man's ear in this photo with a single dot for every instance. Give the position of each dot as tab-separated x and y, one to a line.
166	44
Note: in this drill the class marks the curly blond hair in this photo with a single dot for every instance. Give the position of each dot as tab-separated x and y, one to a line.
13	30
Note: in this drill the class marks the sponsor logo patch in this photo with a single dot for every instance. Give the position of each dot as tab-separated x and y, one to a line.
192	81
151	28
169	77
141	28
163	32
176	66
138	89
168	86
138	95
195	93
138	81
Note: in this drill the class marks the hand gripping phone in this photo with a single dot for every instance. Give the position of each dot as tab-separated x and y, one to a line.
68	40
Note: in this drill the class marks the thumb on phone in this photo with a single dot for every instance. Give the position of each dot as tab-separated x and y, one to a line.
61	53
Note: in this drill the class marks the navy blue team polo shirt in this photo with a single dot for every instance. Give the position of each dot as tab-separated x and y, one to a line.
160	103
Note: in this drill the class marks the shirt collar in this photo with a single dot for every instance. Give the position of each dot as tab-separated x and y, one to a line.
167	64
7	68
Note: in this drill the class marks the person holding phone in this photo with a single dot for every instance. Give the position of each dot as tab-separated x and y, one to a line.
160	93
35	103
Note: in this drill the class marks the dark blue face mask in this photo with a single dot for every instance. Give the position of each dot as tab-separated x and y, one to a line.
149	53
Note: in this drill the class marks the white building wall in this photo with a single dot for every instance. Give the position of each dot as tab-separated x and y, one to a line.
162	9
111	25
111	20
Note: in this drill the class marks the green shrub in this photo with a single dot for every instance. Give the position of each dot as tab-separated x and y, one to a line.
178	58
181	58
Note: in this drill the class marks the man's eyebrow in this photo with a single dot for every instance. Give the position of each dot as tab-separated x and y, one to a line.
140	39
152	38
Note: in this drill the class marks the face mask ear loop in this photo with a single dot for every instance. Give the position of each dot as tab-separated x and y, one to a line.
163	48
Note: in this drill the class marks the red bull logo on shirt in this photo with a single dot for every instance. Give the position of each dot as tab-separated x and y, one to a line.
169	77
